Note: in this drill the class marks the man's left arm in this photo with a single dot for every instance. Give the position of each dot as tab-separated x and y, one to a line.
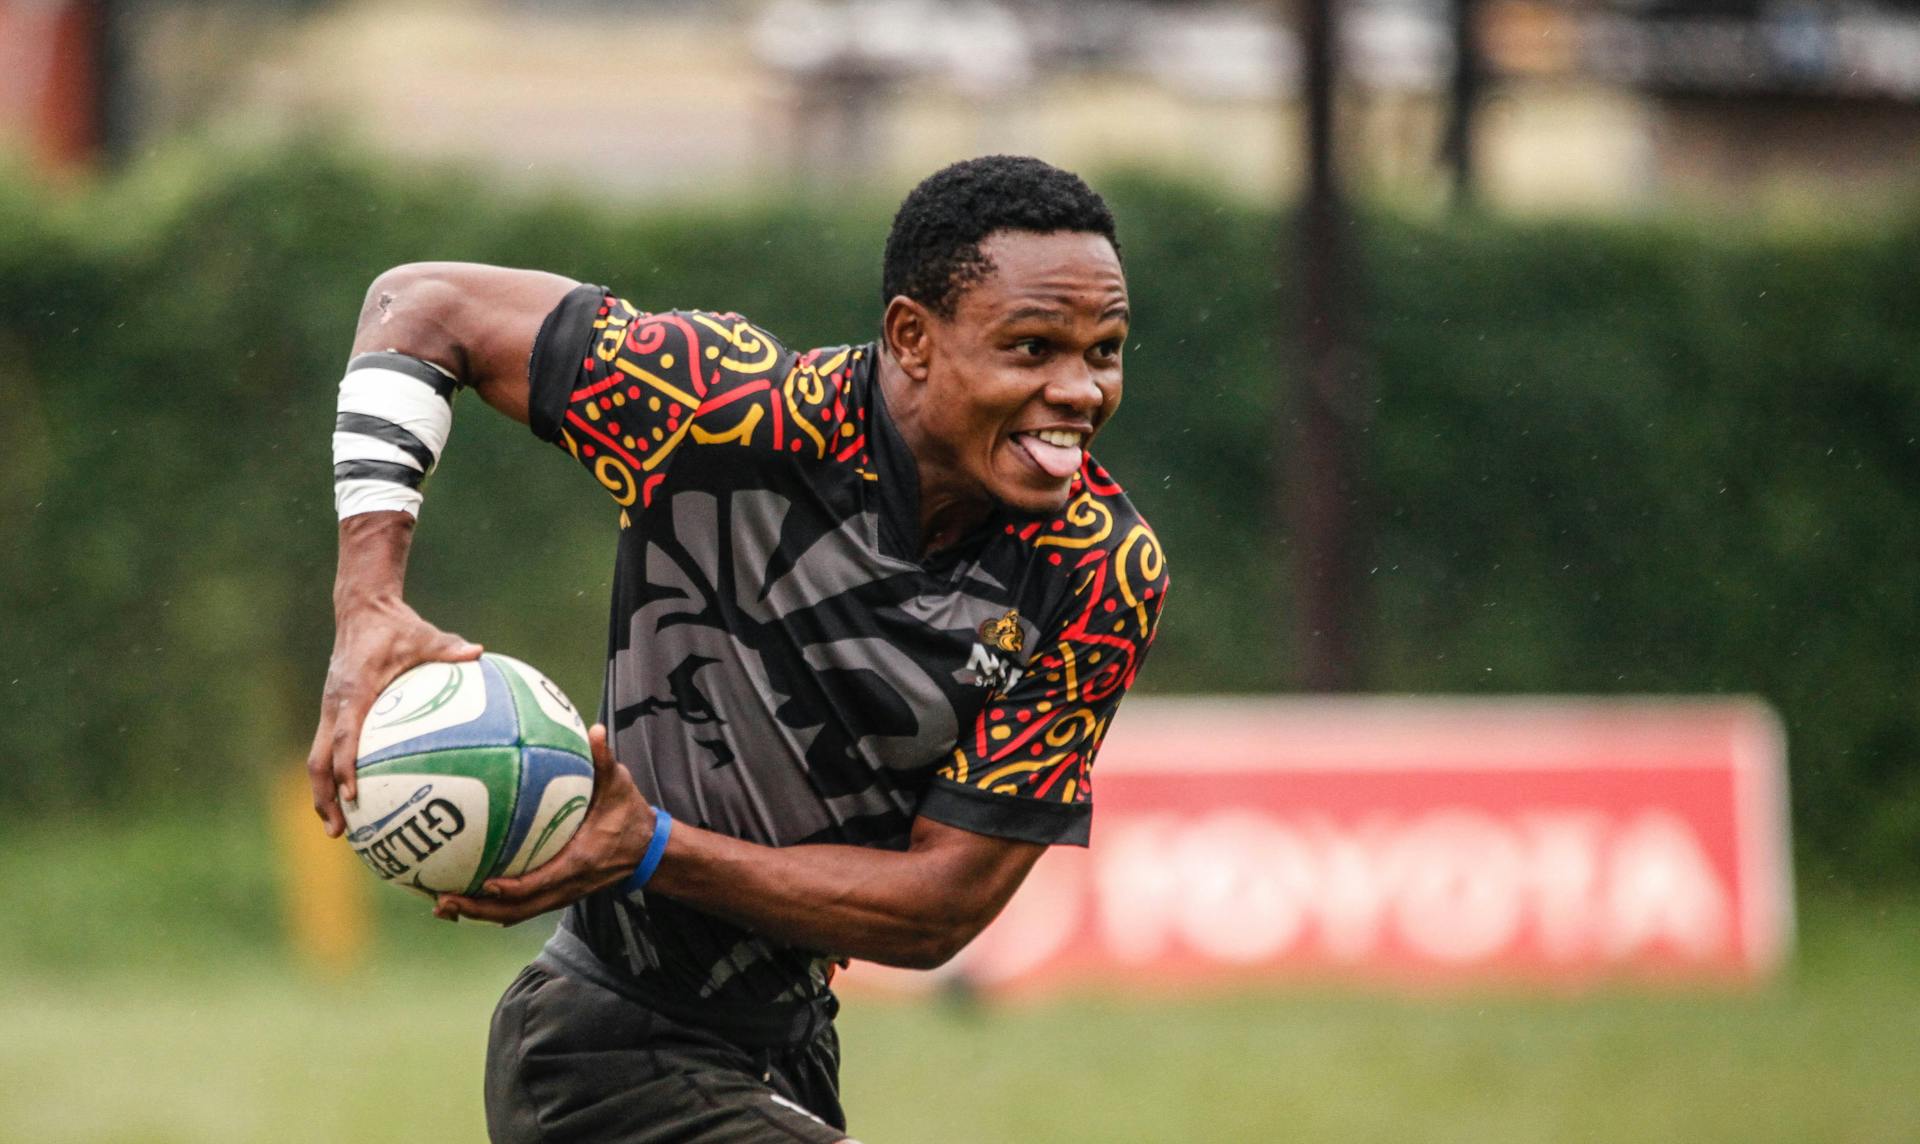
914	908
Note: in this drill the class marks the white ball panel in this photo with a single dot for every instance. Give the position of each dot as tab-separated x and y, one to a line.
428	698
564	799
428	832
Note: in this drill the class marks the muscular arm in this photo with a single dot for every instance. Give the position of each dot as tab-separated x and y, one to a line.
479	324
914	908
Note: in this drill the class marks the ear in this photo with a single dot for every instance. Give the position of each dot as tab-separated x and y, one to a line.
908	330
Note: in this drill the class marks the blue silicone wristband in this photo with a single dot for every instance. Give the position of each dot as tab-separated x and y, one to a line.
656	849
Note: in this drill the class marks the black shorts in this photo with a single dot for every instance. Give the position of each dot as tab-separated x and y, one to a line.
569	1061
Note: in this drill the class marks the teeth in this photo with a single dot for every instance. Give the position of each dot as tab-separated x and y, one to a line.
1065	438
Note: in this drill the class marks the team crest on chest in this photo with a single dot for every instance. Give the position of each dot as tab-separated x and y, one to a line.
998	638
1003	634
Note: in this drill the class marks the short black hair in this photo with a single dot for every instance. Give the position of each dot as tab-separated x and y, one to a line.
933	250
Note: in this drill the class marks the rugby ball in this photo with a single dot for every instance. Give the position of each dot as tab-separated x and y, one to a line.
468	771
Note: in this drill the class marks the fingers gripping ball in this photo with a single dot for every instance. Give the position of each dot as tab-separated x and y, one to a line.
468	771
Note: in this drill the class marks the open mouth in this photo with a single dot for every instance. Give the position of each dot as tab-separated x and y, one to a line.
1056	452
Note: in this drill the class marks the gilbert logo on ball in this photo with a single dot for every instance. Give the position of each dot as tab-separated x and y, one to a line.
468	771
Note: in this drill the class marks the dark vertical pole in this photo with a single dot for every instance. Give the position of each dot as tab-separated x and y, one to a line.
1463	98
1322	479
115	113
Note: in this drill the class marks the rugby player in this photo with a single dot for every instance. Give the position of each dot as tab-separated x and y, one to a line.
874	607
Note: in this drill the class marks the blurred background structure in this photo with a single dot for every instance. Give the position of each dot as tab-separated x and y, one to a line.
1616	106
1487	351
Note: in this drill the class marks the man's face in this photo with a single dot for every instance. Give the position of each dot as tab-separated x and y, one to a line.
1027	369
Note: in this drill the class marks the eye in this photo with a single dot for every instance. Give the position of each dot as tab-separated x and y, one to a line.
1031	347
1107	350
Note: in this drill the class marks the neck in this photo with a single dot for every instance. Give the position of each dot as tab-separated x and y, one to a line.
949	506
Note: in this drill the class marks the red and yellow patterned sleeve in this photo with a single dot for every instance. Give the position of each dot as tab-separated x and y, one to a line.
1025	769
626	392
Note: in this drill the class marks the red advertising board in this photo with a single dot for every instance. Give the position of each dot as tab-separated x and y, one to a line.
1412	841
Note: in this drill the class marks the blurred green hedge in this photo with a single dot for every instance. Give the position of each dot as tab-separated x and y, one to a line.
1602	458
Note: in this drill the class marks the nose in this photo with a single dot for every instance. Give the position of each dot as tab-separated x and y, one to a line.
1075	387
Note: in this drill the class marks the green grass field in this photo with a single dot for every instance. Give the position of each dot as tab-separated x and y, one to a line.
147	1001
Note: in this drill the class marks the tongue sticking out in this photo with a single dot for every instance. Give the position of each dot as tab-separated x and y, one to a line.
1058	461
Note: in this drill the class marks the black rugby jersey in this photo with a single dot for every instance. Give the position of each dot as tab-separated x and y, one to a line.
783	666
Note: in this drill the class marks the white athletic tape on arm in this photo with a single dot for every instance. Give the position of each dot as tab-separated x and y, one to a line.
360	447
353	497
394	416
395	397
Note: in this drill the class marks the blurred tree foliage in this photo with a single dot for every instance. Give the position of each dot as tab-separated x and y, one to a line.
1604	458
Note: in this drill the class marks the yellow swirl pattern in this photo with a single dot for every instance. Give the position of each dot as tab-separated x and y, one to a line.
1076	725
756	352
617	479
804	382
1153	562
1084	512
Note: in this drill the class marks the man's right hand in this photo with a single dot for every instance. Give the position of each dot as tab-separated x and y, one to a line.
373	643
